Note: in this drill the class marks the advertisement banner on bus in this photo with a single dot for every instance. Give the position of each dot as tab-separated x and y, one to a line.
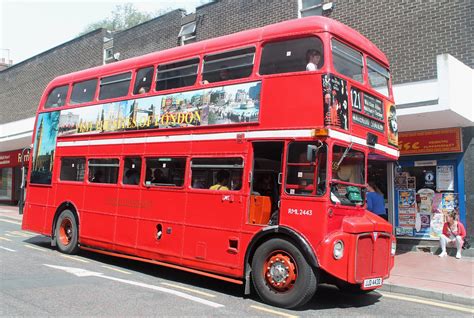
335	100
223	105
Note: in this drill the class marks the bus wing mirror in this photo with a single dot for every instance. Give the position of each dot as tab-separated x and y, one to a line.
311	153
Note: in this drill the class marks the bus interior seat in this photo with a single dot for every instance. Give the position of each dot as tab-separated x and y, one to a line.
260	208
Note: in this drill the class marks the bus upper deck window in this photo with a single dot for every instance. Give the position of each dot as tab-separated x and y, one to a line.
177	74
378	76
295	55
143	80
115	85
347	61
83	92
228	65
57	97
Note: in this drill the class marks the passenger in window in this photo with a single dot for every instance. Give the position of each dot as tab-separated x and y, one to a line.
313	57
143	90
159	177
132	176
222	177
224	74
98	177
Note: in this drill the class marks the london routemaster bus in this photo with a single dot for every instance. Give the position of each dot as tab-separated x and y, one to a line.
242	158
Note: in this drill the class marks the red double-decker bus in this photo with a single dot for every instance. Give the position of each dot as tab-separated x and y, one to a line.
242	158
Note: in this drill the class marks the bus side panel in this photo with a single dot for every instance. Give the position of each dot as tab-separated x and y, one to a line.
72	192
128	209
163	211
98	215
35	212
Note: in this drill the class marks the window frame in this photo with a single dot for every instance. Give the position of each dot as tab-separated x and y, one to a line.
102	84
228	167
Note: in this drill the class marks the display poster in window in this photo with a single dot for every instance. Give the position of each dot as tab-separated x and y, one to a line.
429	179
422	225
391	113
335	101
44	147
411	182
444	178
401	180
426	197
449	202
406	208
223	105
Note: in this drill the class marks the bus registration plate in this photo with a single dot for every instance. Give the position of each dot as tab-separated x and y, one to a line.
372	282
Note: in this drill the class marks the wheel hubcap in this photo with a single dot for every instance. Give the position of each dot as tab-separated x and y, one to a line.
280	271
65	232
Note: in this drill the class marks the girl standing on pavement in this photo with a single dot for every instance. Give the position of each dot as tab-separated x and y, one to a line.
453	232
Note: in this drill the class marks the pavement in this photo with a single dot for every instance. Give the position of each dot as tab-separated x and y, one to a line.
421	274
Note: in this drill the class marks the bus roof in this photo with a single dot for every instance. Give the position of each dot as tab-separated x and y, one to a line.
269	32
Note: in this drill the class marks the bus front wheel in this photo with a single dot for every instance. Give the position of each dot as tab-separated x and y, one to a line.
281	276
66	233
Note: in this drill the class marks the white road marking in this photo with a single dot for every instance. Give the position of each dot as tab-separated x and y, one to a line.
79	272
9	221
34	247
74	258
5	239
428	302
7	249
189	289
116	269
275	312
20	233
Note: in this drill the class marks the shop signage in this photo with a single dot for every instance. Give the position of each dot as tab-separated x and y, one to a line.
430	141
12	159
425	163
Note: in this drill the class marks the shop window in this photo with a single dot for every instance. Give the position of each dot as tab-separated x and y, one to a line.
177	74
143	80
72	169
305	177
57	97
187	34
168	172
115	86
83	92
347	61
291	55
228	65
378	76
131	170
6	183
217	173
103	170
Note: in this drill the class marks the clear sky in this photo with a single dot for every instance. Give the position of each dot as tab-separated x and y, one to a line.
29	27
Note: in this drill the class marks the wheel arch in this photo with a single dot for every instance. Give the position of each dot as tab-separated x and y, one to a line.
269	233
67	205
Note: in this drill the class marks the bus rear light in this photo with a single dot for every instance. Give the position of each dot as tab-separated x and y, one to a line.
338	250
320	132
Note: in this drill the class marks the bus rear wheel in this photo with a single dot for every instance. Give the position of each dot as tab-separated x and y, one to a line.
281	276
66	233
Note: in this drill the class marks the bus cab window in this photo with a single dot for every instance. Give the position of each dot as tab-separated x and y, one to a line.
57	97
291	56
228	65
143	80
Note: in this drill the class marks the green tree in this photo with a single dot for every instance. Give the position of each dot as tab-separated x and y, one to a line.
123	17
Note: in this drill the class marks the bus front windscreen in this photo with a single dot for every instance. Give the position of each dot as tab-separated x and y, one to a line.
348	176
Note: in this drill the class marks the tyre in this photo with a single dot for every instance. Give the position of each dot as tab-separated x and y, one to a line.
66	233
281	276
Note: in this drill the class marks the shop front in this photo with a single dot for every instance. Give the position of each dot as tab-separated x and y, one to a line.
428	182
10	175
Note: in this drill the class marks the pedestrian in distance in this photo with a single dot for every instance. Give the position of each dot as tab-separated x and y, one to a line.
375	200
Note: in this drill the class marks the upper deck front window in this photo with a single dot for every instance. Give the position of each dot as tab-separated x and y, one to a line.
378	76
347	61
295	55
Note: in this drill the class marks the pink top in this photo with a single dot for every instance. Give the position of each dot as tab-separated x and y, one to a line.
461	231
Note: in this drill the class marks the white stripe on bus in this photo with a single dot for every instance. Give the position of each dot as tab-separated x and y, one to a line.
264	134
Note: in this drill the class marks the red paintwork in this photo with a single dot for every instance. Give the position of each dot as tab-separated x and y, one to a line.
201	230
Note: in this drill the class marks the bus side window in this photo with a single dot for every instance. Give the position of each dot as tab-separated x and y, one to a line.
290	55
72	169
168	172
83	92
131	171
228	65
177	74
115	85
103	170
143	80
217	173
57	97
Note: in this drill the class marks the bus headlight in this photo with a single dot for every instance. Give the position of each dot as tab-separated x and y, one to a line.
394	247
338	250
